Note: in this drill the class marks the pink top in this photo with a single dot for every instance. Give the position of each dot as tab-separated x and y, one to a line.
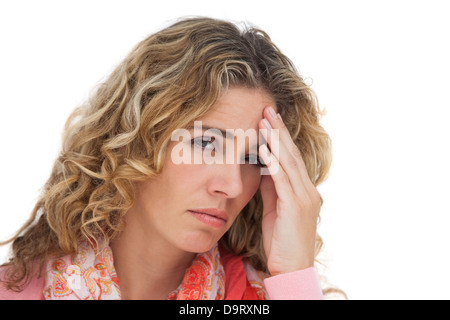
298	285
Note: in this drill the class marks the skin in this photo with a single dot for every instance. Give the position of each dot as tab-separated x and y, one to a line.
161	237
291	204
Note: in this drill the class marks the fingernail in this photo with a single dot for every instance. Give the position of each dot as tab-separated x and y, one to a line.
272	113
264	149
279	117
267	124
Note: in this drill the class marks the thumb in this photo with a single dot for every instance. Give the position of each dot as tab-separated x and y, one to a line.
268	194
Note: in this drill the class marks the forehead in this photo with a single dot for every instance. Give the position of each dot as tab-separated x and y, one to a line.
239	108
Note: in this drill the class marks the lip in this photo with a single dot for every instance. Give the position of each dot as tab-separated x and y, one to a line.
211	216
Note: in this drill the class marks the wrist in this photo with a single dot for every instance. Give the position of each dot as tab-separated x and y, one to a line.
274	271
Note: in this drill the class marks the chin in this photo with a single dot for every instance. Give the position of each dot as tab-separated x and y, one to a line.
198	242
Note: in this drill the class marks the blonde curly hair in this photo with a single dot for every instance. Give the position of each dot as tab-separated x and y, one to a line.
119	136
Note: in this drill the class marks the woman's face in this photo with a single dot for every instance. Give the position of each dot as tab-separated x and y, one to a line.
166	203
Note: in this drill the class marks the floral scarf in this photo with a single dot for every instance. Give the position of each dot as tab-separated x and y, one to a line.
87	276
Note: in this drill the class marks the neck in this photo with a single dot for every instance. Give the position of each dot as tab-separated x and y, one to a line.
147	266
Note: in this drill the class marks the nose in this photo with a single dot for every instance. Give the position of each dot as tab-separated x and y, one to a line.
227	180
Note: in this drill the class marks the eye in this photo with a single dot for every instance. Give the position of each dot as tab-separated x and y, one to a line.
254	160
203	142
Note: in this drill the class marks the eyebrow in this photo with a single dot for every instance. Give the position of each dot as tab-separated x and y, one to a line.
224	133
228	136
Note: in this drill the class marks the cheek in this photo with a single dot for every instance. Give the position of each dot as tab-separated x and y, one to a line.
251	178
182	174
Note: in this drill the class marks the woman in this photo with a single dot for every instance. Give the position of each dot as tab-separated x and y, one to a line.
120	218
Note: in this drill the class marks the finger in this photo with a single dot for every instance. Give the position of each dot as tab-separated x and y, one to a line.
269	199
307	191
292	160
268	193
280	149
280	179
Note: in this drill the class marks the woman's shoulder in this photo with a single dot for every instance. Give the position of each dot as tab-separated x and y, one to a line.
32	291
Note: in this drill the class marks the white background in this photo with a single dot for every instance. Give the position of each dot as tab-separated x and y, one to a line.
381	69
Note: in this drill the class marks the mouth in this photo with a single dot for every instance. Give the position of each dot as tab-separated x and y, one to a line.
215	218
